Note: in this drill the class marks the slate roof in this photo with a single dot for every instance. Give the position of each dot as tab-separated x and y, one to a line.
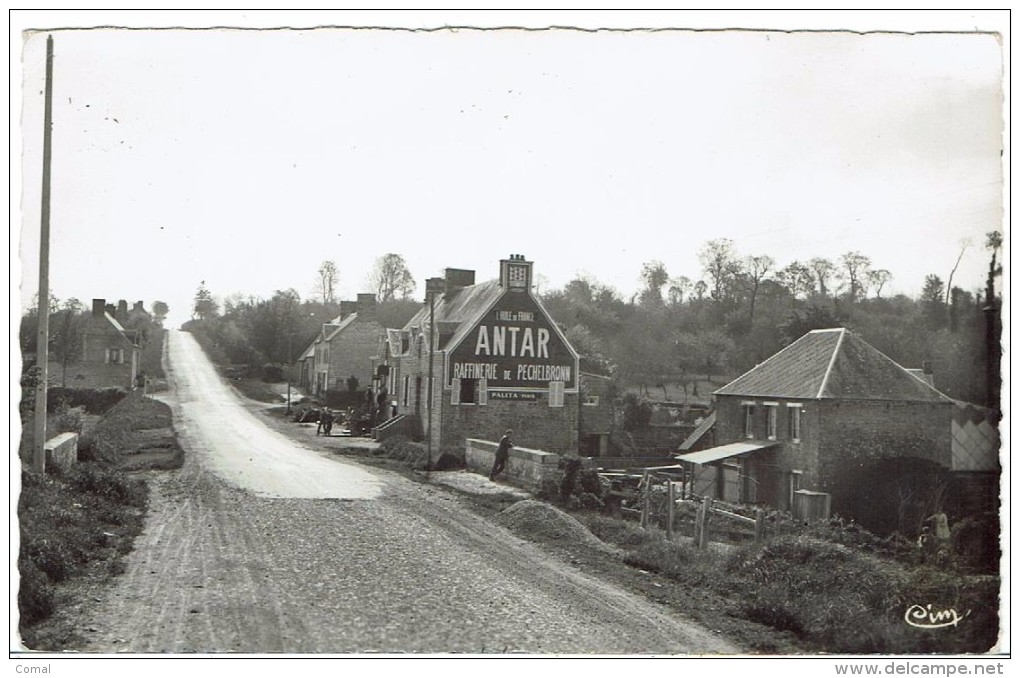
832	364
706	424
458	309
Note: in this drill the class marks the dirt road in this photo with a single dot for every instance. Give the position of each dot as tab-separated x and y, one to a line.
259	545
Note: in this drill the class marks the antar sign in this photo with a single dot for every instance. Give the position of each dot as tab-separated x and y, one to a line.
515	346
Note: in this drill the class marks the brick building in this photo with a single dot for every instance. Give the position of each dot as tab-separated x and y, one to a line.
110	354
343	348
830	413
497	359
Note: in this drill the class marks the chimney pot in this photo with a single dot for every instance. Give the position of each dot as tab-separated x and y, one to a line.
98	307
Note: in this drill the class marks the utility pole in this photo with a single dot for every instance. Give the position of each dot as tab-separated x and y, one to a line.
432	286
42	347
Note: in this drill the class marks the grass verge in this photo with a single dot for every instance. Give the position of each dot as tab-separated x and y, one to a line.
77	525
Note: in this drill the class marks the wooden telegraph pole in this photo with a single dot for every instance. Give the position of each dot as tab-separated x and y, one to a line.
42	347
432	287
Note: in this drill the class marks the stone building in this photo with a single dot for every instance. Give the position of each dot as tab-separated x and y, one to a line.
832	414
110	354
496	358
343	348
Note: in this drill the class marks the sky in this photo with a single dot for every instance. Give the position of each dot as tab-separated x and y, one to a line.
244	159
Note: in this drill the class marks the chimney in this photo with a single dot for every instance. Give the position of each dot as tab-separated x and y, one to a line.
139	306
111	309
366	305
98	307
347	308
515	273
121	308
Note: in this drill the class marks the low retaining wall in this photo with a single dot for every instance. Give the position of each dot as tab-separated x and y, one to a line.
526	467
62	451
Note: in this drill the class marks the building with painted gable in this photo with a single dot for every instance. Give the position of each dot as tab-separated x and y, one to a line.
488	357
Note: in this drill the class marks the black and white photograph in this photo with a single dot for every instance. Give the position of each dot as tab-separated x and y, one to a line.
553	335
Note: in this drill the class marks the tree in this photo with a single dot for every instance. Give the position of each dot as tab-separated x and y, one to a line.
932	300
391	278
159	311
678	289
756	268
67	335
720	264
798	278
205	306
823	270
326	282
855	272
964	244
654	277
878	279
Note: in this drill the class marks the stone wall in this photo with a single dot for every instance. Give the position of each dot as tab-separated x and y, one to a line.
62	451
526	467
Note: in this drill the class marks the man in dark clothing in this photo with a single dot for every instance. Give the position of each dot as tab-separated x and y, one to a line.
502	454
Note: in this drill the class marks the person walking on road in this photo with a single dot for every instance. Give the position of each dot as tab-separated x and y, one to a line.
502	454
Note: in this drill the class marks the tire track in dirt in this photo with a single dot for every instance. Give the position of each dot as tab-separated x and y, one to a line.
221	569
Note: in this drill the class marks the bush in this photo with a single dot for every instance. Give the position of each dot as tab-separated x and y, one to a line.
66	420
823	592
401	449
35	593
93	400
615	531
272	373
976	543
110	485
448	462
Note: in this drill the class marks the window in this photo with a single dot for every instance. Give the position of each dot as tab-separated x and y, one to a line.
748	420
770	420
115	355
407	389
466	392
794	422
555	394
591	401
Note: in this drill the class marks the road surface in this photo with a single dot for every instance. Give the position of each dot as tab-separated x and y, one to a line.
258	545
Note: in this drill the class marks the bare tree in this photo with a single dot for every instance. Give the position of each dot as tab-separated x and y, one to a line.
964	244
823	270
326	282
877	279
720	263
678	289
757	268
855	272
391	278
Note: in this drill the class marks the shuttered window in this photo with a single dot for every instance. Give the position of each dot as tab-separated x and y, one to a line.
455	393
483	394
555	394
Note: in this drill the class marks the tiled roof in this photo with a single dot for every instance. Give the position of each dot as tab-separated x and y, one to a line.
833	363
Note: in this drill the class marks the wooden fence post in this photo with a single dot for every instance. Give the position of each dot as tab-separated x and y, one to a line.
670	507
647	496
701	530
759	526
